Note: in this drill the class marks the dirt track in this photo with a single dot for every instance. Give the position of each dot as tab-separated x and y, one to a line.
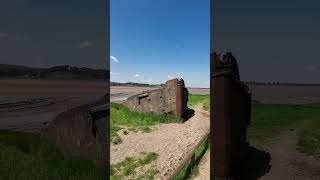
170	141
287	162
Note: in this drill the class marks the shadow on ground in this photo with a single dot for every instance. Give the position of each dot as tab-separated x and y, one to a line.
189	114
256	165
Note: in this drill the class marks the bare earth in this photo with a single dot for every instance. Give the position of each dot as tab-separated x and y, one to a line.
287	162
170	141
27	105
121	93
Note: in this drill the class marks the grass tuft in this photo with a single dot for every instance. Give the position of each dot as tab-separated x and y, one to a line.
192	168
127	167
136	121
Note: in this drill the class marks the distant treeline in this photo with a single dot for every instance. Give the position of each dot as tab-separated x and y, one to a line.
279	83
136	84
56	72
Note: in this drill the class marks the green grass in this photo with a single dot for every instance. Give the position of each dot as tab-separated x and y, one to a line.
135	121
192	168
127	168
268	120
121	116
25	156
197	98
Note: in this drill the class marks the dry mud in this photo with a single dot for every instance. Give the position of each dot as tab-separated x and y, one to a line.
27	105
171	141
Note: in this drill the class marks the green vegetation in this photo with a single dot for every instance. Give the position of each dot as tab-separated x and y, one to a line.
309	138
25	156
127	168
192	168
121	116
197	98
268	120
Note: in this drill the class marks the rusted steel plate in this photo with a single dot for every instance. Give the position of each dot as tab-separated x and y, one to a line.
230	116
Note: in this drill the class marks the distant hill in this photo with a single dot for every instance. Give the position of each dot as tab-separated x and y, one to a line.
135	84
56	72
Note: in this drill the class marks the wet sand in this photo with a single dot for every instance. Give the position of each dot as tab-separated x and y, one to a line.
286	94
121	93
27	105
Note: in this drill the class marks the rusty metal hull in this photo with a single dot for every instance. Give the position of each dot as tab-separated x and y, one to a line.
221	119
172	98
230	116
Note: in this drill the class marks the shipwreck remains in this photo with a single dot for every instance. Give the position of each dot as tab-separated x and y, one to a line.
172	98
230	117
82	131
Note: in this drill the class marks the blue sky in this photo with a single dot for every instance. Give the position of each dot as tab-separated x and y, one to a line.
153	41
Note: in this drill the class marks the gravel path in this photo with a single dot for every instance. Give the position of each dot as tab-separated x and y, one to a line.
287	162
170	141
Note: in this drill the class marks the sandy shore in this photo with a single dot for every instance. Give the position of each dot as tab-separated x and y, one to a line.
27	105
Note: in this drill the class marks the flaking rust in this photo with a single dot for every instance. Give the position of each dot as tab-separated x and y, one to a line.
172	98
230	116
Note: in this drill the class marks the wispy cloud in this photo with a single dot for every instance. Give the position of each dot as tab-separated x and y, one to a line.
114	59
86	44
170	76
3	35
136	75
114	74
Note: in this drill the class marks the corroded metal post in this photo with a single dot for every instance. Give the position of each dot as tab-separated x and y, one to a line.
230	115
181	99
